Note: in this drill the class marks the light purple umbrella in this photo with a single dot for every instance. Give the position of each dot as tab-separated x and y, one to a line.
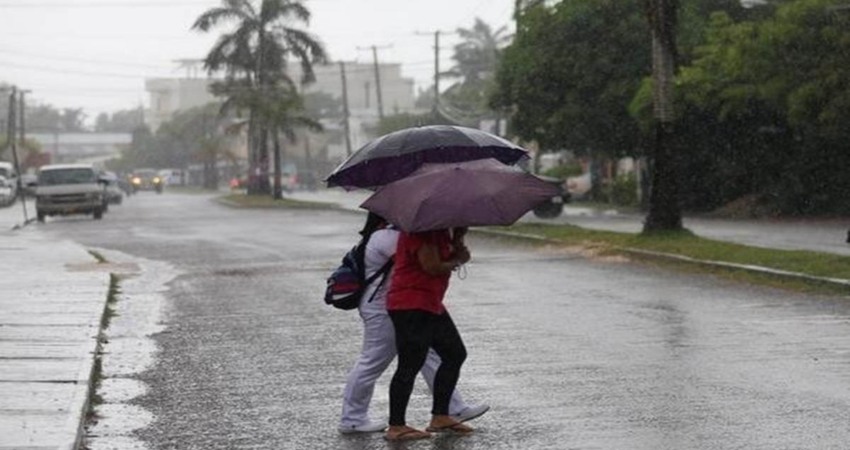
474	193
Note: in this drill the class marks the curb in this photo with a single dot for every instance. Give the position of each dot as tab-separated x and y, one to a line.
95	373
746	267
674	257
328	206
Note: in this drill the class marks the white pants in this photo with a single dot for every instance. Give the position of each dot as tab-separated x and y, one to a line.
378	352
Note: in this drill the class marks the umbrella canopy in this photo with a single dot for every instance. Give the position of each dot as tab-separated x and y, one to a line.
474	193
396	155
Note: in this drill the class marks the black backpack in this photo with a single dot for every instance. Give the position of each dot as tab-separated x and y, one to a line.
348	282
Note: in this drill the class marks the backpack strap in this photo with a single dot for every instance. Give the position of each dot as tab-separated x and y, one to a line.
383	271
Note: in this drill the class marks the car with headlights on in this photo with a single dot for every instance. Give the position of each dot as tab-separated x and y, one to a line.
146	180
65	189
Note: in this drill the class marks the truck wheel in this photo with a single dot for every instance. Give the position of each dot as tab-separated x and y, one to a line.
40	216
98	214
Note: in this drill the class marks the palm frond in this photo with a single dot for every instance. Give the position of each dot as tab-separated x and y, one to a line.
233	11
277	10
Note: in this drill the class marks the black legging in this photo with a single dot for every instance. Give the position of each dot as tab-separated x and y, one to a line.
415	332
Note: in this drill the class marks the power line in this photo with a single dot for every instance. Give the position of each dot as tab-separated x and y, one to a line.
81	60
70	71
68	36
103	4
112	4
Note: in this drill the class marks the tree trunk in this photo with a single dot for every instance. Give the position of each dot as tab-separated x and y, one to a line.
664	210
253	159
263	183
214	178
278	189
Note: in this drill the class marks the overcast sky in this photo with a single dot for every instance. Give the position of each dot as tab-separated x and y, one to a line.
95	54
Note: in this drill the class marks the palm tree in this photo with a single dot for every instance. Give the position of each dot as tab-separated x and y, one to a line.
476	58
478	54
664	211
254	56
280	111
284	112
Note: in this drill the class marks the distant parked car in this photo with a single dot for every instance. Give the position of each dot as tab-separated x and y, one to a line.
8	183
114	192
173	177
28	183
64	189
579	186
7	193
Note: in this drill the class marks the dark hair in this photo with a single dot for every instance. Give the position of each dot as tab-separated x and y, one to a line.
373	223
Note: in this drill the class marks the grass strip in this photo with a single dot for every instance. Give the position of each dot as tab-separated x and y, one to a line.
687	244
196	190
239	200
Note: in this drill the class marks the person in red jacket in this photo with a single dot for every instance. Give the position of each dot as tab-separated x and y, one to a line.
423	265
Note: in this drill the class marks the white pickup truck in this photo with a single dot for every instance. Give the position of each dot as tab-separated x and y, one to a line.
64	189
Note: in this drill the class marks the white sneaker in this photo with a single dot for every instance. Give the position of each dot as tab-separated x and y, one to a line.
471	412
368	427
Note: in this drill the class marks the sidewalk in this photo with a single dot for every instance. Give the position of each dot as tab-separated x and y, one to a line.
53	297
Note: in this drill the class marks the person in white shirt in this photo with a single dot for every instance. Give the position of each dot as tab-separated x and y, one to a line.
379	347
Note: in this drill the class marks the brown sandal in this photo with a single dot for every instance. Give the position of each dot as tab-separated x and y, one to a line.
457	428
406	434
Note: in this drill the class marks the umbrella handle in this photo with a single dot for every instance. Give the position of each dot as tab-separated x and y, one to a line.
461	271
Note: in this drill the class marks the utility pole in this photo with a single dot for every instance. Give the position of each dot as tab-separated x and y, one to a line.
436	71
378	90
366	87
437	33
22	113
345	113
378	93
3	90
11	117
10	139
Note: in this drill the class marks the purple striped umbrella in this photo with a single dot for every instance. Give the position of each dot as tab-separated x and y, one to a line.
396	155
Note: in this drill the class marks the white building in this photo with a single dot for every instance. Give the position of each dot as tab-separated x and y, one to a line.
171	95
397	92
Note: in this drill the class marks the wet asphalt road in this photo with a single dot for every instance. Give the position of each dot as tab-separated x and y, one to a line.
571	352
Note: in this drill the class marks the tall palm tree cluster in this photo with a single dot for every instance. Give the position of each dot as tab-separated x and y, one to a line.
476	58
252	56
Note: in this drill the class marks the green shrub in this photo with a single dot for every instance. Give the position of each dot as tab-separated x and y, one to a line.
623	190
